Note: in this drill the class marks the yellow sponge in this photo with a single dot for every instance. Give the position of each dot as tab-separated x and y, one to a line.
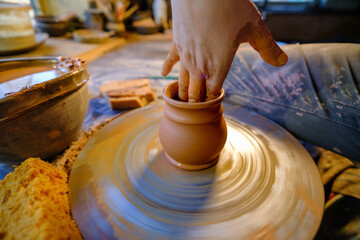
34	203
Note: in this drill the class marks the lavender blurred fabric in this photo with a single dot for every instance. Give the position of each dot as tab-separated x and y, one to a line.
315	95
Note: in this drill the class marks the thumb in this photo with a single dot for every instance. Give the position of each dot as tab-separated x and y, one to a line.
171	59
262	41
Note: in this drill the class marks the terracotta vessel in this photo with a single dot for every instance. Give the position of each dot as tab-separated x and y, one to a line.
192	134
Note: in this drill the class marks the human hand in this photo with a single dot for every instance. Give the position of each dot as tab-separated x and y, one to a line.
207	34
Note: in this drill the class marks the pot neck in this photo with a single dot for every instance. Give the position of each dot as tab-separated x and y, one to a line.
170	94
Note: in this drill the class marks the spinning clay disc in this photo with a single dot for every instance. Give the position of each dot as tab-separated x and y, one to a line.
264	186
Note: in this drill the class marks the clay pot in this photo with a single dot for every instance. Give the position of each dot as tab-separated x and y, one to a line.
192	134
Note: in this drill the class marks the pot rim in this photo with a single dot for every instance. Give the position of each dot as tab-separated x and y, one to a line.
188	105
16	103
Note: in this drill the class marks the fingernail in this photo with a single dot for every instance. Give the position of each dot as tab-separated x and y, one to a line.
282	59
164	73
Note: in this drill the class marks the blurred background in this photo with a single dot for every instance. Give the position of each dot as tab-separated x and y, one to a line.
289	21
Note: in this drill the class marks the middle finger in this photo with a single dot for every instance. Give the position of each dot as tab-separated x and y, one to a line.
196	88
183	84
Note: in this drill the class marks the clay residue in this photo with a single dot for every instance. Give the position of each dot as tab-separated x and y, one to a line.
65	161
27	76
70	64
25	89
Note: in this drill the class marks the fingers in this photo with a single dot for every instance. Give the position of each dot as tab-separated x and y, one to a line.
213	88
191	87
196	88
215	82
263	42
171	59
183	84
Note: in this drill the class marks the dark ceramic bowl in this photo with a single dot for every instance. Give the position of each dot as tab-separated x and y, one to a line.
51	26
42	106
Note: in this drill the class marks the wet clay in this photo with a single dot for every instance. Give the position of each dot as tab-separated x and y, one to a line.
192	134
256	178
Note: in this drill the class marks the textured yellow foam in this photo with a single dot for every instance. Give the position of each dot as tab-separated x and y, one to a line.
34	203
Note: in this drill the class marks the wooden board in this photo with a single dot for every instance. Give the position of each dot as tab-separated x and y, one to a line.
67	47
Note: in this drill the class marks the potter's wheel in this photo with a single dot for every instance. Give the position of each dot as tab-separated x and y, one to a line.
265	185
